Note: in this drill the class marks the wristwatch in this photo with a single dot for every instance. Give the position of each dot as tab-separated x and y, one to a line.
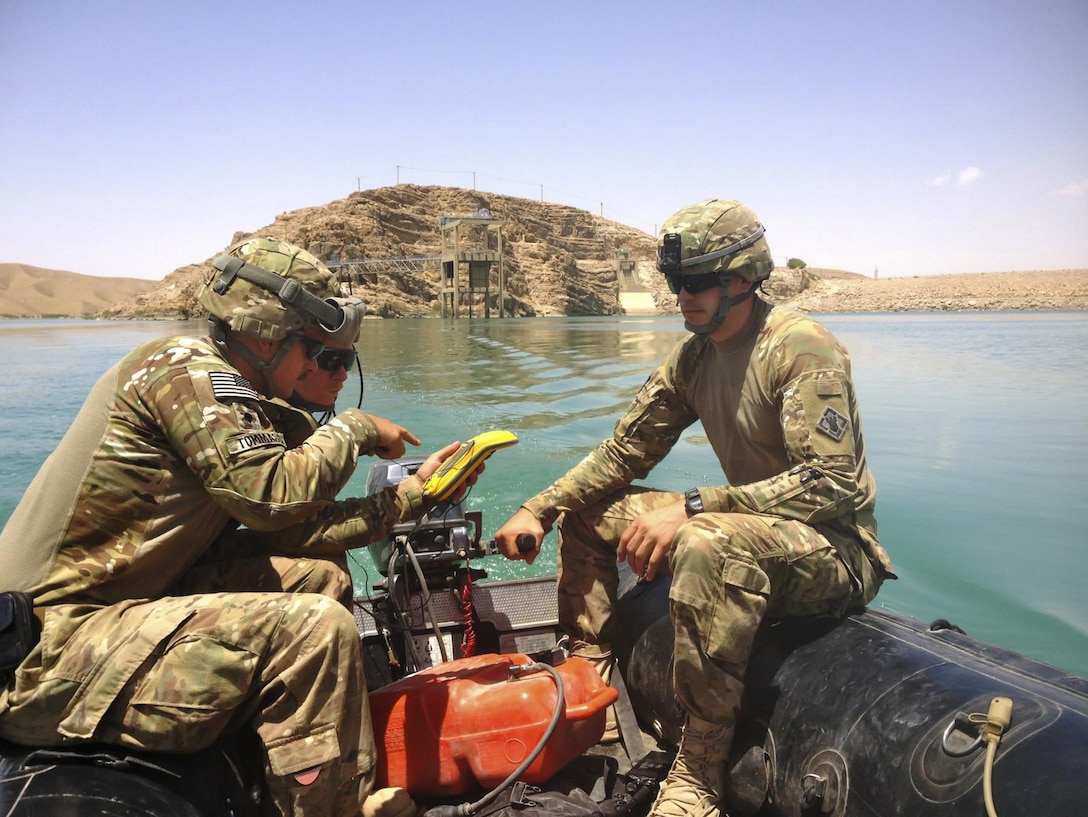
693	502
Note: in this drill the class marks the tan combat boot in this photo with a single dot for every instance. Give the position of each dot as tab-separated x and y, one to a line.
391	802
694	783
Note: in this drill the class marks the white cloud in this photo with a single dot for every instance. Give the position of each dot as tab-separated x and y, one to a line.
937	181
969	175
1073	189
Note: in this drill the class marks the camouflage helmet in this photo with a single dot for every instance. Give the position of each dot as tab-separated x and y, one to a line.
270	289
715	235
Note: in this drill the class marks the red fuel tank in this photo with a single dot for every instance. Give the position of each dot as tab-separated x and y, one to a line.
471	722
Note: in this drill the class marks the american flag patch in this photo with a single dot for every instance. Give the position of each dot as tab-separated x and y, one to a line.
229	386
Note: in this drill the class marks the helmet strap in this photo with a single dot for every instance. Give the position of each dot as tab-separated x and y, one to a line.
288	290
286	346
298	401
724	305
224	339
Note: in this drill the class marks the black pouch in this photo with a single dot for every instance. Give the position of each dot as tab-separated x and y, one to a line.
19	630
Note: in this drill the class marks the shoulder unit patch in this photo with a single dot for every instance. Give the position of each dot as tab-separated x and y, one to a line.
832	424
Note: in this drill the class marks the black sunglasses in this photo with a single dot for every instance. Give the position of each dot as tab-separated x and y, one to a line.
332	359
695	283
313	348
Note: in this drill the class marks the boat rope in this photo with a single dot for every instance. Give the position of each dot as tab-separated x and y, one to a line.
997	721
991	726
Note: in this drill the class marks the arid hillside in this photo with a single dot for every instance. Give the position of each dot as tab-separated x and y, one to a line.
27	291
992	291
558	261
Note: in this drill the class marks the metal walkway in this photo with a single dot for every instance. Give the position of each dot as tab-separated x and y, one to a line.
368	269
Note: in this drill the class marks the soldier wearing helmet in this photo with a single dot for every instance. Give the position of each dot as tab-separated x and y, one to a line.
317	391
164	628
791	529
707	246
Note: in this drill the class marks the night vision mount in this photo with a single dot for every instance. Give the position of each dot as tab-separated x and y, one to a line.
669	257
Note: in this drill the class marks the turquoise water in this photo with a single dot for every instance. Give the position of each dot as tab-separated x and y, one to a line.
976	426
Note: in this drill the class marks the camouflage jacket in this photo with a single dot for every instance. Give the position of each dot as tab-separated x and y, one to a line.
172	447
778	407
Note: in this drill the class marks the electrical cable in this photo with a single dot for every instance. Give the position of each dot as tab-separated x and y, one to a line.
402	611
468	640
426	599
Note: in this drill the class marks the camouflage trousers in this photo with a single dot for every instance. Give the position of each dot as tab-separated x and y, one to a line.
729	572
177	673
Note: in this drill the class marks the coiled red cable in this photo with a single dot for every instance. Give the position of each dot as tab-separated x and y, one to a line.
468	641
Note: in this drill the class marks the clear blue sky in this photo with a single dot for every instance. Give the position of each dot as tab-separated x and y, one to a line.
911	137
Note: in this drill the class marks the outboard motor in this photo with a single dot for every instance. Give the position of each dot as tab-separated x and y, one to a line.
440	540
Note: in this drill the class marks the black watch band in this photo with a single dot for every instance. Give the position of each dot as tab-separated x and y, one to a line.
693	502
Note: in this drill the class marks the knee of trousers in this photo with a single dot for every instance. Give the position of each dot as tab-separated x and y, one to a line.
719	591
324	576
722	549
586	530
316	623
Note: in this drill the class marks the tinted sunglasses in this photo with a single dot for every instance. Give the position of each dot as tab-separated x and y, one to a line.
695	283
313	348
332	359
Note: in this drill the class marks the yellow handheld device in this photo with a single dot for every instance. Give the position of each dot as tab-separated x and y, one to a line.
451	475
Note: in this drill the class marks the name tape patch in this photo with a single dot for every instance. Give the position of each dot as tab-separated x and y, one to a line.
259	439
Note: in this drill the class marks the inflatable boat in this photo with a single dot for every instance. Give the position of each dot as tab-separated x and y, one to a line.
479	710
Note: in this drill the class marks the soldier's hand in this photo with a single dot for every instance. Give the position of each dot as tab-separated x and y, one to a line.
516	534
391	438
434	462
646	543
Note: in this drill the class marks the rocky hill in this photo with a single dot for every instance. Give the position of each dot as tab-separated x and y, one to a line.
558	261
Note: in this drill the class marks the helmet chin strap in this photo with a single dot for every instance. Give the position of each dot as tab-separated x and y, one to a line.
225	340
724	305
298	401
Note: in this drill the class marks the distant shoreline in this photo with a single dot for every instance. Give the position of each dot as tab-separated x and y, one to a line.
1036	291
34	293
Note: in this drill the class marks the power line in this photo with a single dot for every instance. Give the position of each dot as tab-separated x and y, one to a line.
616	215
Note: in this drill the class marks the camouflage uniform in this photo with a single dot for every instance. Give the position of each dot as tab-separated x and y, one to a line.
154	633
792	533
